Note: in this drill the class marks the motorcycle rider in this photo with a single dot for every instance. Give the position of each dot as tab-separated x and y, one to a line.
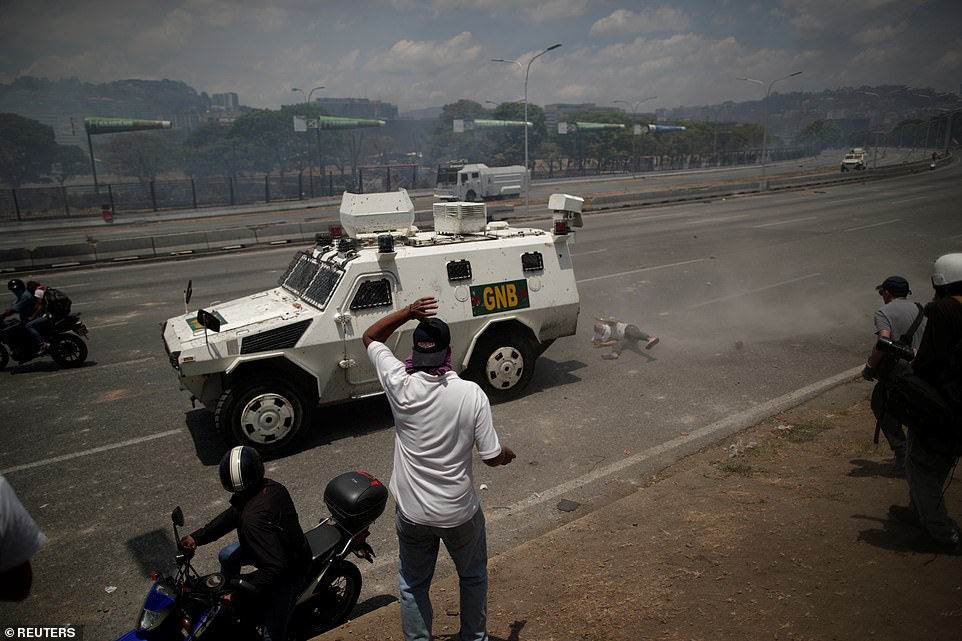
269	537
24	304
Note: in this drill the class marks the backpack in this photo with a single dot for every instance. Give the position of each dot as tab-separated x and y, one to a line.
56	303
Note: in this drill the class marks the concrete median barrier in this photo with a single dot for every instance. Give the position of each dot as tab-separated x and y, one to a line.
15	260
230	239
279	234
124	249
185	243
63	255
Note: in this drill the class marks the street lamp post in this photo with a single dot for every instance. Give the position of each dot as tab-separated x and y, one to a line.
634	113
310	162
768	91
878	109
928	121
527	69
714	135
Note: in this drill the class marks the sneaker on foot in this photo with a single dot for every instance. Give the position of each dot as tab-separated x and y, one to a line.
651	342
610	357
43	348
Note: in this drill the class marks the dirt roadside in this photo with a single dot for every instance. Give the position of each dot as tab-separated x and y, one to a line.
779	532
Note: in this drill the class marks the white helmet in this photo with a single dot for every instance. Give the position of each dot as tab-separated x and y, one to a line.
947	270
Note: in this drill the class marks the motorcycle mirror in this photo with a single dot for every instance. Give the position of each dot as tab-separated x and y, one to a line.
188	292
208	320
177	516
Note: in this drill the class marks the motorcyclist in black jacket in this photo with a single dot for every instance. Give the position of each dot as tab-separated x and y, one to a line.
269	537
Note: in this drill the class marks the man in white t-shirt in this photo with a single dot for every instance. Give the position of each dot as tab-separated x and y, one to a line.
20	538
439	419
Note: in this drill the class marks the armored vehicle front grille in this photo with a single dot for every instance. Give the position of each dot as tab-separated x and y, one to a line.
280	338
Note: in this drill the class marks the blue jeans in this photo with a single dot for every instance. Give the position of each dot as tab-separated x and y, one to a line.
281	600
418	549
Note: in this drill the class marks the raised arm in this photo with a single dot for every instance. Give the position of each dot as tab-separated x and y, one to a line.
418	310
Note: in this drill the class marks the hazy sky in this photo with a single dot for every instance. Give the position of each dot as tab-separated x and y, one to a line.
427	53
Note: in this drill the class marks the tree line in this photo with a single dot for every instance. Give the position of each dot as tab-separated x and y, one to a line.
263	141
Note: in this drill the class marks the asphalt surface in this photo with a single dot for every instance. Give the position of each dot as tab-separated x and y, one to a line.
753	298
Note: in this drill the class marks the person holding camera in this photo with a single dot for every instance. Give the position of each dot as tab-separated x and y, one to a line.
930	458
901	321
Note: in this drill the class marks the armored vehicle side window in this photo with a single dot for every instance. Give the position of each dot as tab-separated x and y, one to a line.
372	293
532	262
311	279
459	270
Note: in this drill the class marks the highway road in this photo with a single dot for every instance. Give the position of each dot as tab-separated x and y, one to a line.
754	298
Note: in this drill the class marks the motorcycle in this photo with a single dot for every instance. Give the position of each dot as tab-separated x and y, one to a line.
64	335
188	606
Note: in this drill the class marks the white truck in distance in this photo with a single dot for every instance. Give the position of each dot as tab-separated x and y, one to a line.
476	182
854	160
265	362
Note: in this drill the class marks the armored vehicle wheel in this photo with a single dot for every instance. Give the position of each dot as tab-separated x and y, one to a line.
332	601
4	356
502	364
266	414
68	350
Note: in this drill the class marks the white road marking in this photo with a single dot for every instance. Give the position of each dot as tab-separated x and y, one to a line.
594	251
786	222
716	220
907	200
887	222
92	327
755	291
638	271
96	450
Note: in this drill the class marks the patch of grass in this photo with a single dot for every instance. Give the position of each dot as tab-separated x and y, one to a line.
733	466
768	447
807	431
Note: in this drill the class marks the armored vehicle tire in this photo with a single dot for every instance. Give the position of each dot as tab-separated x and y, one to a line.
502	364
332	601
265	413
68	350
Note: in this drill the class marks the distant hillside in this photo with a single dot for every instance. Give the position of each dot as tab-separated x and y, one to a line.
428	113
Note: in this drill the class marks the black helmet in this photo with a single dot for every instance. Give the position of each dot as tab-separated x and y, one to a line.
16	285
241	469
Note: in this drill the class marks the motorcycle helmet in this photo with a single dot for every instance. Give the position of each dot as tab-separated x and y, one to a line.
947	270
241	469
16	286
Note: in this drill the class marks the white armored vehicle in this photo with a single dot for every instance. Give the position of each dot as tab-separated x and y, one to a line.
854	160
478	182
265	362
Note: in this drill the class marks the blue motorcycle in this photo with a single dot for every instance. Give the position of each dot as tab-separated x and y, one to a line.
188	606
